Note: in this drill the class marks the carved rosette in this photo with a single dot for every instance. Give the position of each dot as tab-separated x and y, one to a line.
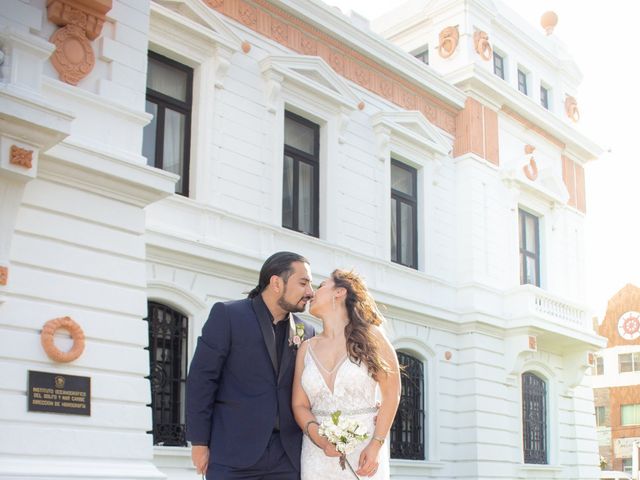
449	38
571	108
482	45
21	156
4	275
81	22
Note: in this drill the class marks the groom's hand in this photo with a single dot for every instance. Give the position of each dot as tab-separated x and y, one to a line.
200	458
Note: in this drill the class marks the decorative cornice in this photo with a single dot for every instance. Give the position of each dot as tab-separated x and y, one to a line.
81	22
305	38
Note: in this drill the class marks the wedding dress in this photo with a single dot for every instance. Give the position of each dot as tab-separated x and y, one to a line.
355	394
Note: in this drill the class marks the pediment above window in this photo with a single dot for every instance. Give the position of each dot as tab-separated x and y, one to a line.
409	127
311	74
194	24
540	180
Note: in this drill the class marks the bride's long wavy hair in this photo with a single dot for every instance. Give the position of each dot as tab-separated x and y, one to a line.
362	343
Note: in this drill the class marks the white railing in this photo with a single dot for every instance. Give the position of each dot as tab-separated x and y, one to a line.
559	310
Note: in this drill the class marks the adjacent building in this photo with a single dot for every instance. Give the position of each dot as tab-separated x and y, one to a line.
616	381
154	153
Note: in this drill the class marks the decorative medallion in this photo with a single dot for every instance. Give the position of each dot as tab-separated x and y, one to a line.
21	156
533	342
449	38
571	108
482	45
48	333
629	325
73	58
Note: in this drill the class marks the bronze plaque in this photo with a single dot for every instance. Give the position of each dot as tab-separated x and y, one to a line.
59	393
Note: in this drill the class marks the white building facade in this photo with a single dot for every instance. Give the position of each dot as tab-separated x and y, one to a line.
153	154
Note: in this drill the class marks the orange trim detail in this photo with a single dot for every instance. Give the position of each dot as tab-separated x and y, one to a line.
526	123
531	170
304	38
53	352
4	275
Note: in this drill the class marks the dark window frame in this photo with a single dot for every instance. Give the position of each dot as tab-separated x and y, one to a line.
168	368
163	102
524	253
544	96
308	159
498	69
534	419
408	432
599	367
400	198
601	416
522	82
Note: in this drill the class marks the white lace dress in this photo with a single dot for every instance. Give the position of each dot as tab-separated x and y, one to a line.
355	395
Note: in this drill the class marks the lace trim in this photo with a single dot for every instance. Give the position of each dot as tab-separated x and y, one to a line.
357	411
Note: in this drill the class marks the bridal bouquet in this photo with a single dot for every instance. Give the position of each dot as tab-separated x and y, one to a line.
344	434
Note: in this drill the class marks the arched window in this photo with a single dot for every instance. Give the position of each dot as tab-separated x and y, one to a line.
168	361
407	433
534	418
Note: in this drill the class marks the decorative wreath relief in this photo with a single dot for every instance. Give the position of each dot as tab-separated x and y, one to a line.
47	335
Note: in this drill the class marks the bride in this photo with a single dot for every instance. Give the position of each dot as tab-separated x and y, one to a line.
352	367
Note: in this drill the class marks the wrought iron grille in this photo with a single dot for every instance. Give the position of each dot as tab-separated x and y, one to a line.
407	432
168	361
534	418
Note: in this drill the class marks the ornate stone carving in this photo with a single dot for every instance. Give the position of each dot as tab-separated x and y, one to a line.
81	21
4	275
21	156
549	20
246	47
214	3
482	45
531	169
571	108
449	38
533	343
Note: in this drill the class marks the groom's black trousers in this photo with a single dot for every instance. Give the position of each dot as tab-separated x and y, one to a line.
274	464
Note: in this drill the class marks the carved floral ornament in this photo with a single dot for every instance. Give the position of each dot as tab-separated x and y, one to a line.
482	45
449	38
21	156
571	108
47	339
81	21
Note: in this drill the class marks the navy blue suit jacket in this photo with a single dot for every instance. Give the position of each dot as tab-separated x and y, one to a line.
234	392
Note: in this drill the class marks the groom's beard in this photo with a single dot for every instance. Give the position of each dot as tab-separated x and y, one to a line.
292	307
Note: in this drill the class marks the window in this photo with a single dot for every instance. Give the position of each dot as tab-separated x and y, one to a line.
544	97
407	432
529	249
599	366
601	420
423	55
167	138
168	366
522	81
627	465
630	414
534	418
404	214
300	197
629	362
498	64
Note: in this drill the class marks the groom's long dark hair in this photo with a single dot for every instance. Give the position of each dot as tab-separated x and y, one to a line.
277	264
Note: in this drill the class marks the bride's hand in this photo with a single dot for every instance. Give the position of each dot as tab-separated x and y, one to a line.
330	450
368	462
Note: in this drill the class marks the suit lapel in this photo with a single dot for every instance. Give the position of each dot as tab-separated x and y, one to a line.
264	320
288	352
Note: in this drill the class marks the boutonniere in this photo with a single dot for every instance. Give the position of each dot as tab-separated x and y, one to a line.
296	335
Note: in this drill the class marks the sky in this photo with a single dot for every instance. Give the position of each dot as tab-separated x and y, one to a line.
604	40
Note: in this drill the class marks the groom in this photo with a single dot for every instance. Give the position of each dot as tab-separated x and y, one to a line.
238	404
